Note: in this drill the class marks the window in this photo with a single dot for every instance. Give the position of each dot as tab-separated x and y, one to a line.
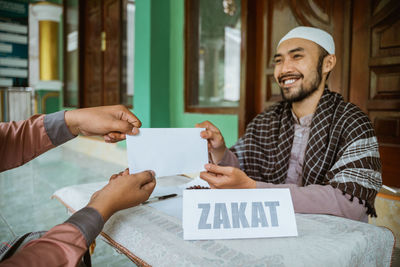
212	55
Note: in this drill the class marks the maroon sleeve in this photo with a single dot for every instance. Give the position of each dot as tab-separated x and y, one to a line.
22	141
63	245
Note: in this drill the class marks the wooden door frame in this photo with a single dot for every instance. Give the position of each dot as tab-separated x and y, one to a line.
252	78
81	56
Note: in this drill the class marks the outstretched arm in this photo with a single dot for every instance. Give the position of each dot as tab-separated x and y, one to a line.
65	244
111	122
22	141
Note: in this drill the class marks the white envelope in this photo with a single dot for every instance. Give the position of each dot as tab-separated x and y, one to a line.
167	151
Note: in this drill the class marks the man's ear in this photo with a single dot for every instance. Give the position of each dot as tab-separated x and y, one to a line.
329	63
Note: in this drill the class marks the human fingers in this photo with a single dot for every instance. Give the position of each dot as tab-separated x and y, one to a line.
215	138
127	115
121	126
122	173
211	179
228	171
145	177
117	136
113	176
114	137
208	134
135	131
101	121
126	171
149	187
144	183
107	139
206	124
123	121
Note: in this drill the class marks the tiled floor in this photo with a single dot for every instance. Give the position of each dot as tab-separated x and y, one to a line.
25	192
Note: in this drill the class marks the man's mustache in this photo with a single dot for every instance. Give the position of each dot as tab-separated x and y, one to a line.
290	75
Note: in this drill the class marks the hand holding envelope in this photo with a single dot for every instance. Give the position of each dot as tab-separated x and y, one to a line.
216	142
167	151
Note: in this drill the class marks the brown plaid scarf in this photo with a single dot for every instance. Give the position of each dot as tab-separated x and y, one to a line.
342	149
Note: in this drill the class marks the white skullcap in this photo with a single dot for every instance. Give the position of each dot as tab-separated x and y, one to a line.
316	35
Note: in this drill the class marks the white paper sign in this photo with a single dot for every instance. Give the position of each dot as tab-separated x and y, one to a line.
238	213
167	151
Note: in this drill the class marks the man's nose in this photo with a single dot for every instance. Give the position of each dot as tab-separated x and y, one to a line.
286	66
282	69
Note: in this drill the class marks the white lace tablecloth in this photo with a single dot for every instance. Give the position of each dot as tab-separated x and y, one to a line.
151	235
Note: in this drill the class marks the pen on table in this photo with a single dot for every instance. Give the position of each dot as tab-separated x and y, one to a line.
155	199
390	189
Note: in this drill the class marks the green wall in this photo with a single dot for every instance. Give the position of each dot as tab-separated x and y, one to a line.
159	70
151	96
142	93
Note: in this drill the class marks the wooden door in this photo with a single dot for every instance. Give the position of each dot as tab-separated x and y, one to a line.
375	76
101	57
112	52
367	73
92	72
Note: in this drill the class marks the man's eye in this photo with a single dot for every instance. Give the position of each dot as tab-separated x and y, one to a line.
277	61
297	56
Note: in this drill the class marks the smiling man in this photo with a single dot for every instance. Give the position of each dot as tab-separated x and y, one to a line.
322	148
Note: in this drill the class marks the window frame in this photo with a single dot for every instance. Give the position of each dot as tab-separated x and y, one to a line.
191	72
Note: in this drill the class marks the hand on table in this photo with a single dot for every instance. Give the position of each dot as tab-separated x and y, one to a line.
216	142
111	122
123	191
226	177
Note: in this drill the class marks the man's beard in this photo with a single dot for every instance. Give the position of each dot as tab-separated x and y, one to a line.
305	92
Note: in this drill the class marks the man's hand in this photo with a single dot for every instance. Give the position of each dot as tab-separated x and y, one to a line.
226	177
123	191
111	122
216	143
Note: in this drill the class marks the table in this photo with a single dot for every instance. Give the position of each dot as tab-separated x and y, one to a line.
152	235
